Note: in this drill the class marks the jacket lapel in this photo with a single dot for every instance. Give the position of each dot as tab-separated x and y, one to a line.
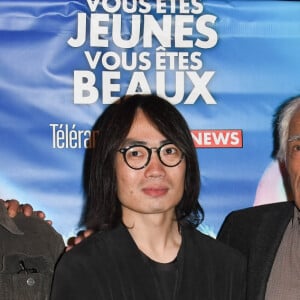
262	255
194	268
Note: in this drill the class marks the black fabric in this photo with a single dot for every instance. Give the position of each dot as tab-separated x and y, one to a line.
165	275
257	232
108	266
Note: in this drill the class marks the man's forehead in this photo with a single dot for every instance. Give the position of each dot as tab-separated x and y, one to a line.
294	127
295	120
294	137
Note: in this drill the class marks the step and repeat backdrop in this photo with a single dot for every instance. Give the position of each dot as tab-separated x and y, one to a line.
226	65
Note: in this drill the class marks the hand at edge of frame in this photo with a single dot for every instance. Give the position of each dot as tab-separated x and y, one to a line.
75	240
14	207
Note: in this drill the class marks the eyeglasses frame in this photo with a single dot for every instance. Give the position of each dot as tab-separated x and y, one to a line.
124	150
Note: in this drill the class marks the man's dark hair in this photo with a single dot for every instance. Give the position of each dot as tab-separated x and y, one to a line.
102	209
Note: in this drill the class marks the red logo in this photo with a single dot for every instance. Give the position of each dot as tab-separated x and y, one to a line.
218	138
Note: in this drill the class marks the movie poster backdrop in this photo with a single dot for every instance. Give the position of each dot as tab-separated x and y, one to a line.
226	65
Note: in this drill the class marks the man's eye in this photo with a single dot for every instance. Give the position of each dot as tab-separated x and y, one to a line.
135	153
296	148
171	150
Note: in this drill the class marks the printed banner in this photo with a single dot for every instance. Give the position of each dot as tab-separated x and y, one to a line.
226	65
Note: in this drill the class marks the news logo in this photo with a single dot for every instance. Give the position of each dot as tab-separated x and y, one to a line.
218	138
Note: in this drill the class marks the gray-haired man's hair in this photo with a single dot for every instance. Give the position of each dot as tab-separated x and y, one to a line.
284	120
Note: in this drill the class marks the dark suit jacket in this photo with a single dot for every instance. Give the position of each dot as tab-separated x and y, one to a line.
257	233
109	266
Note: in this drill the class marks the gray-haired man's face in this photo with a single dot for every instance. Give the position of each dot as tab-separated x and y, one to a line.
293	156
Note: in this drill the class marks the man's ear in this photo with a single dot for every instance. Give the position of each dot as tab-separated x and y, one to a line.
286	180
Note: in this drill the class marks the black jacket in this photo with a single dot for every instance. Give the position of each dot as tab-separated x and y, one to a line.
29	249
257	233
109	266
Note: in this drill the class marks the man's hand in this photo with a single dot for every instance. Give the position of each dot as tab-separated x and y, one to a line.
14	207
81	235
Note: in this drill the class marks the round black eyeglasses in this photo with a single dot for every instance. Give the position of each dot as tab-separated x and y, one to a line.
138	156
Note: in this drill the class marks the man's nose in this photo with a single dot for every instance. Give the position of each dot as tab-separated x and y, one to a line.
155	168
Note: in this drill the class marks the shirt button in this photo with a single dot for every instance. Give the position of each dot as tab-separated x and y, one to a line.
30	281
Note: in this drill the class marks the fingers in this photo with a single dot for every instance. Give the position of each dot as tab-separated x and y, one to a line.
49	222
72	241
42	216
12	206
81	235
88	232
26	209
39	214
